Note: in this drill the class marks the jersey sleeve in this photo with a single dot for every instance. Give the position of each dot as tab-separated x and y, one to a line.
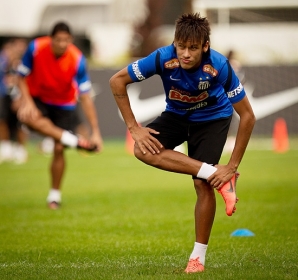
143	68
82	77
231	84
25	67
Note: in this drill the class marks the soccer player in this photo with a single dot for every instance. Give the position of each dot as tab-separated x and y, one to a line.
12	136
53	75
201	90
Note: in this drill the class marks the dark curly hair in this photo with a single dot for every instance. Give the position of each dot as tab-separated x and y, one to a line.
60	27
192	27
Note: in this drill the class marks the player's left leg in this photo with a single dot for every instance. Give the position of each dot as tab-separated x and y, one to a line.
206	142
204	217
47	126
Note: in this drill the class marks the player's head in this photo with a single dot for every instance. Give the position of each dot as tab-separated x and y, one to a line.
192	39
61	38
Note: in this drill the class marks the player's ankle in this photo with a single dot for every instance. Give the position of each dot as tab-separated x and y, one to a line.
69	139
206	171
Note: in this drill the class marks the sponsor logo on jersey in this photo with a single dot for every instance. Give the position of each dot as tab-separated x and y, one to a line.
174	79
235	92
137	72
203	85
173	63
198	106
176	95
210	70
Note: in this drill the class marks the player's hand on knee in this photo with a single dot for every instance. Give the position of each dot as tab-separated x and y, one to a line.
28	112
145	141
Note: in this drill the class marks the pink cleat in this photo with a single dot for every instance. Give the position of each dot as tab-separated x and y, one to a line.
194	266
228	192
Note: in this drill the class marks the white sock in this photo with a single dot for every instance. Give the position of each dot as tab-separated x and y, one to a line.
6	150
199	250
206	171
69	139
54	195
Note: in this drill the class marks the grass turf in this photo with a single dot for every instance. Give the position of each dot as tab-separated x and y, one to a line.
121	219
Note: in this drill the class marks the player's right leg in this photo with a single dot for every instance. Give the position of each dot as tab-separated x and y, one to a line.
228	192
173	131
56	171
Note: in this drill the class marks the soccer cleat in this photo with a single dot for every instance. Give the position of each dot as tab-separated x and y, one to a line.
85	145
194	266
54	205
228	192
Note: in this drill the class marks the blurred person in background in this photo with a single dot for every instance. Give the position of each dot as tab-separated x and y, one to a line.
237	67
12	136
201	91
52	77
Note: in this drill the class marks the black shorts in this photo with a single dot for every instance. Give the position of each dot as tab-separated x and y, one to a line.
205	140
8	115
65	119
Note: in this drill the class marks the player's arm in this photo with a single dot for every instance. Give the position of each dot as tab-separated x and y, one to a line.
246	124
27	109
84	87
91	115
142	136
241	104
247	120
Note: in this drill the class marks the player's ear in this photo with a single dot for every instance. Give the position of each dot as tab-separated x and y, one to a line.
174	44
206	46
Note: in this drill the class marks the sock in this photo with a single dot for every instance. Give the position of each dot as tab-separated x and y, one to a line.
206	171
69	139
6	150
199	250
54	195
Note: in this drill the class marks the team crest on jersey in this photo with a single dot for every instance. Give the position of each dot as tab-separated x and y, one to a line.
203	85
173	63
210	70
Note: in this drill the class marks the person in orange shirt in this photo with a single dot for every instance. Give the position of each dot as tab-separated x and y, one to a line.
52	77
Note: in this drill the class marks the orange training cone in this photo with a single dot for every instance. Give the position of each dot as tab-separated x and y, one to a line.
129	143
280	136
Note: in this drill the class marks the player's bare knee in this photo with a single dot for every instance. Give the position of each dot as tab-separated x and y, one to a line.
202	186
148	158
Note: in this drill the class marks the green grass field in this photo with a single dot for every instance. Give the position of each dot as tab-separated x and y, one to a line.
121	219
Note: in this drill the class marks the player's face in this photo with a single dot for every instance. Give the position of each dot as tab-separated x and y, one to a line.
60	42
190	54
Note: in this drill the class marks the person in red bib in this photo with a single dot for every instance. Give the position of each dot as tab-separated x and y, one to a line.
52	77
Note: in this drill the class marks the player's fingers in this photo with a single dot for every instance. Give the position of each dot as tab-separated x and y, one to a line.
156	143
151	130
150	149
153	146
145	147
142	148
